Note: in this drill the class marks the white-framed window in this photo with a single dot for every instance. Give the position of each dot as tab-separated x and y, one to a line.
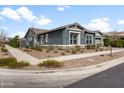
46	37
89	39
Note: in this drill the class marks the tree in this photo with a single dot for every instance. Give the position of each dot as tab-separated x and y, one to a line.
14	42
2	38
107	41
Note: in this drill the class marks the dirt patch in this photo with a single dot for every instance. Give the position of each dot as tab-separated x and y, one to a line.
81	62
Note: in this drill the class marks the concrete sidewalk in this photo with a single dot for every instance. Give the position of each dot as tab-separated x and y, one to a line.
22	56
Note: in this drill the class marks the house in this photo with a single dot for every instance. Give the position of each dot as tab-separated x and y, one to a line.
68	35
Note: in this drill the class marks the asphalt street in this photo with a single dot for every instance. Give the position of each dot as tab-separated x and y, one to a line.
111	78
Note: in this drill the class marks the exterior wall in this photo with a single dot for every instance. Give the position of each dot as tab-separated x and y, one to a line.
55	38
98	38
90	34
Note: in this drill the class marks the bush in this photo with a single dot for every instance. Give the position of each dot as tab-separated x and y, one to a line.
3	49
7	61
51	63
14	42
20	64
90	46
73	51
37	47
77	48
55	51
63	53
50	48
67	49
12	62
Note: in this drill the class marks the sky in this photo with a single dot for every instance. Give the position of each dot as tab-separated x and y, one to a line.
16	19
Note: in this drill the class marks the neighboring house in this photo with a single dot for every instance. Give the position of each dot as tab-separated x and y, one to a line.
68	35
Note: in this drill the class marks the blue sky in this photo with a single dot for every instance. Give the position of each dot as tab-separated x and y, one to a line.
15	20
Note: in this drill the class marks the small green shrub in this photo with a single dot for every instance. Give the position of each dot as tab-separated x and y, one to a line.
63	53
73	51
37	47
67	49
51	63
55	51
3	49
12	62
90	46
47	51
77	48
7	61
50	48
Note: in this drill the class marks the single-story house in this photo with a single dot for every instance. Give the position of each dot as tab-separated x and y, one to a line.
68	35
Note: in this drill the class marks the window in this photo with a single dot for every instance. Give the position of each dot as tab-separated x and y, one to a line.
89	39
46	37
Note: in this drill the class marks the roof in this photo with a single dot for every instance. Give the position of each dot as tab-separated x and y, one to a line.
37	31
41	31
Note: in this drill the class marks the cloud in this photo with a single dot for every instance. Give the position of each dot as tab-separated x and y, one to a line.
27	14
121	22
4	28
19	33
10	13
1	17
99	24
62	8
43	20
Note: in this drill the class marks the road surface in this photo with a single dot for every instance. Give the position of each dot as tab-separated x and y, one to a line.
111	78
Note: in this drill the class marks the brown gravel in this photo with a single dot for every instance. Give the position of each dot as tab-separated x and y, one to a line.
44	54
81	62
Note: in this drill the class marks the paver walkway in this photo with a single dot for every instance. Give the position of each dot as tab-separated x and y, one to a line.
22	56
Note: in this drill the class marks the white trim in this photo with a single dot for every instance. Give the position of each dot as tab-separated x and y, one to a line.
79	39
46	37
42	39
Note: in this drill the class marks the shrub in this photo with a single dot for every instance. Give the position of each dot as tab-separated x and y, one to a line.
7	61
50	48
47	51
77	48
20	64
37	47
3	49
73	51
51	63
14	42
55	51
90	46
67	49
63	53
12	62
